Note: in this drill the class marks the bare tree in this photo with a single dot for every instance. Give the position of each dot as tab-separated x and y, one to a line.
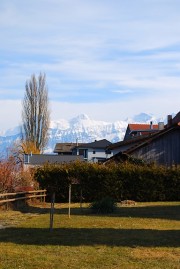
35	115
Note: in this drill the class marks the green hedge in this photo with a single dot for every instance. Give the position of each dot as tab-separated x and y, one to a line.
121	182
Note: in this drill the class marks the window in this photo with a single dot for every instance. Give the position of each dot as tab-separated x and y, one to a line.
94	152
83	152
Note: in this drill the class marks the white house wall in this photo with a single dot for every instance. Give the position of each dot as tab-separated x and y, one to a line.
99	153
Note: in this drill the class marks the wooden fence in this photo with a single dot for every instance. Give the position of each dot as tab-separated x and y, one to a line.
6	198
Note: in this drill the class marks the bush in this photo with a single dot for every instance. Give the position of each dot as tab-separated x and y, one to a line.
6	176
104	206
123	181
13	178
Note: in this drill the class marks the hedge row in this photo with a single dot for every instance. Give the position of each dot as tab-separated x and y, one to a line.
121	182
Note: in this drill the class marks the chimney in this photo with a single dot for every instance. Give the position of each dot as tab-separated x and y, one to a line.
151	125
160	126
169	120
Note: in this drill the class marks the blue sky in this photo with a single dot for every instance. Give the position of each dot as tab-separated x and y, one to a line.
110	59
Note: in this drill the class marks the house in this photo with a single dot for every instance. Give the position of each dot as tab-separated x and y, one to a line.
134	129
94	151
135	134
161	146
70	152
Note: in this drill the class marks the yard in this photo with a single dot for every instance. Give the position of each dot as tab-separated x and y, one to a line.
143	236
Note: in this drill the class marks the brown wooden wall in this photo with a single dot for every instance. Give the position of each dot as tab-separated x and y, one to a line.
164	150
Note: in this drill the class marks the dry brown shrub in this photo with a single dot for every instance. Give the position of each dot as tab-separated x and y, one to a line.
13	177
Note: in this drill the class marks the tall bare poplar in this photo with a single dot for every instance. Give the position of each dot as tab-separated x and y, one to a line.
35	115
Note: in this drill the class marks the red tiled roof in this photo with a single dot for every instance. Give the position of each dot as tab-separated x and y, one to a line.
138	126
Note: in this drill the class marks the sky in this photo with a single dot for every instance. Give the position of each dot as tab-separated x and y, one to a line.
109	59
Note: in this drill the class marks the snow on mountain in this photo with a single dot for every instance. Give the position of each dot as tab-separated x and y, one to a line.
12	131
80	128
143	117
84	129
59	124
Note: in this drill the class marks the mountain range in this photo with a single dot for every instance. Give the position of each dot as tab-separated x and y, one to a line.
81	129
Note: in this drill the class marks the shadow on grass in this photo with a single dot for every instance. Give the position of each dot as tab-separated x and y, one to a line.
90	237
169	212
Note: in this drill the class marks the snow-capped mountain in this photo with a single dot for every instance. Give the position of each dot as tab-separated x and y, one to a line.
84	129
81	129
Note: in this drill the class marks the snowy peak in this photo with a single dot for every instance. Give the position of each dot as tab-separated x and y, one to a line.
80	120
81	117
144	118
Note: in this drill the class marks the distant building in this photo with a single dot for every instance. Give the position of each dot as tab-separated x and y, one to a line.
64	148
134	130
94	151
91	152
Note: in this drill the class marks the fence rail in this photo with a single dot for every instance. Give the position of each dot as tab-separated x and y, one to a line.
25	195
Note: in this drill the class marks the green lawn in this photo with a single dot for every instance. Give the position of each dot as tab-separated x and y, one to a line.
143	236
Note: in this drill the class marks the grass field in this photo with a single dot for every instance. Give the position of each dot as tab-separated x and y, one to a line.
143	236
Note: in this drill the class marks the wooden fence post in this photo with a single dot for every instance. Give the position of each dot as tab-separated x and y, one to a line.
69	211
7	205
52	211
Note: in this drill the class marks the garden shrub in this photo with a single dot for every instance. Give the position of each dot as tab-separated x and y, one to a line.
124	181
105	205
